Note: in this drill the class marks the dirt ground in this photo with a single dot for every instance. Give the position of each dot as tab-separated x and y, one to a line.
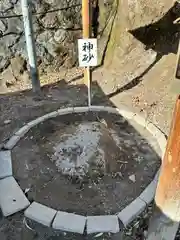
99	186
153	98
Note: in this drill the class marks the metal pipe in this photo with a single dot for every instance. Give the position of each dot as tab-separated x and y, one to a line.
30	43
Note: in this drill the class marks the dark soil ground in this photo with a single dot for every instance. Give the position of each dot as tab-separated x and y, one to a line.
104	189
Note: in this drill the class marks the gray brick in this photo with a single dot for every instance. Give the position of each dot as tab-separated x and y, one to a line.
107	223
111	110
129	213
40	213
12	198
22	131
140	120
126	113
5	164
51	115
69	222
12	142
65	111
37	121
154	130
81	109
162	143
148	194
156	178
97	108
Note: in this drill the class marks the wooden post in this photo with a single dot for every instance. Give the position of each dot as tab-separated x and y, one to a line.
166	217
86	34
168	190
86	18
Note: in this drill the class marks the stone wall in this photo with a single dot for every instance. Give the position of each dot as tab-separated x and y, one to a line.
56	35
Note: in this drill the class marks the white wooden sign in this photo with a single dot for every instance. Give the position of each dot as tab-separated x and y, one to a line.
87	49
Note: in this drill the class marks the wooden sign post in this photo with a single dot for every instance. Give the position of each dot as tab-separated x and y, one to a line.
86	18
86	35
87	46
168	190
164	225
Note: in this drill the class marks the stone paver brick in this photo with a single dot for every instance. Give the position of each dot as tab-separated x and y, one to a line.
111	110
126	114
12	142
63	111
97	108
148	194
140	120
156	178
22	131
105	223
36	121
12	198
51	115
40	213
129	213
81	109
69	222
162	143
154	130
5	164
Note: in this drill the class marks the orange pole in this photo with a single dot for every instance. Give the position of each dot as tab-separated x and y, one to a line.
168	191
86	34
86	18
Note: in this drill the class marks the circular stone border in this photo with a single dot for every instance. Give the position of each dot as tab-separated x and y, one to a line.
93	224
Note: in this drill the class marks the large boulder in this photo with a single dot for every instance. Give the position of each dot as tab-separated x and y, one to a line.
139	13
131	15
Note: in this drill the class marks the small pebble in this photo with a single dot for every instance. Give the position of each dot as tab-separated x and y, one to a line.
98	235
132	178
26	190
103	121
145	234
7	121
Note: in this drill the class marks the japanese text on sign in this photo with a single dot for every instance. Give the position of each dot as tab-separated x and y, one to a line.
87	52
